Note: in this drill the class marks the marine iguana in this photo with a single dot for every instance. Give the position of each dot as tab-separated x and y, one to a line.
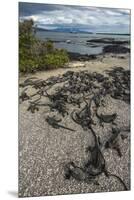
83	117
106	118
96	164
78	173
24	96
52	121
33	108
113	141
57	105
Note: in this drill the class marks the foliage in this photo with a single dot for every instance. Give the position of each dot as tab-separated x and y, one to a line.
56	59
35	54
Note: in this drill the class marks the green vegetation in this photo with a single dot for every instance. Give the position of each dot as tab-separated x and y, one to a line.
35	54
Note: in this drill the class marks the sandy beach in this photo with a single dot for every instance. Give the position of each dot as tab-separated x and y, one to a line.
100	64
44	151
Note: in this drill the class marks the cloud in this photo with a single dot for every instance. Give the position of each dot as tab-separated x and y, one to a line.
85	17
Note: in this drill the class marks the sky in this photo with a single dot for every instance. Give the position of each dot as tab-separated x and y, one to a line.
91	19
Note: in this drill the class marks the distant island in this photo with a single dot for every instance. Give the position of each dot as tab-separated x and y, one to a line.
66	30
77	30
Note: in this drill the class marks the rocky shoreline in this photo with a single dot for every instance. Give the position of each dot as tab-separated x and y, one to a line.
108	41
114	49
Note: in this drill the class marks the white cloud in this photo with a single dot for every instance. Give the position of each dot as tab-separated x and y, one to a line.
84	16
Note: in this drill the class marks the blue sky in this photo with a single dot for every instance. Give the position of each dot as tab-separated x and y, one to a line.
94	19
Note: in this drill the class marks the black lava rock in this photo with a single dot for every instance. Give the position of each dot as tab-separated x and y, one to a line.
115	49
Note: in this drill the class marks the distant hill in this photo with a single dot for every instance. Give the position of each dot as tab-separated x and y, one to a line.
77	30
66	30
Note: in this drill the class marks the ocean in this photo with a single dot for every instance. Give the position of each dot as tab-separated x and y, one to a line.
77	42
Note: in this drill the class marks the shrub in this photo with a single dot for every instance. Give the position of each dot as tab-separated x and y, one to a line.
49	46
28	65
35	54
56	59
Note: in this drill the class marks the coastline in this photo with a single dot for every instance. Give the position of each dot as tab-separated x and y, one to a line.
92	63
